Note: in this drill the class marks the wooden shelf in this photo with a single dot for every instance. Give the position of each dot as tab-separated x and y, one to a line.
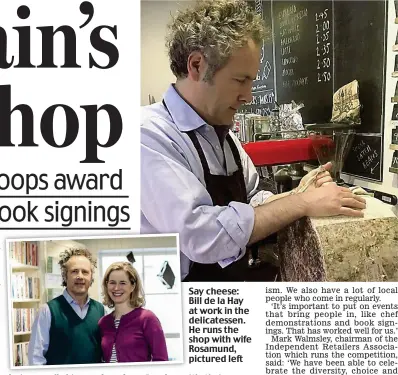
394	147
23	267
393	170
26	266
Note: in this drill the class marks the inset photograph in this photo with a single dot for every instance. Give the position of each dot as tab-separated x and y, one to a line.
94	301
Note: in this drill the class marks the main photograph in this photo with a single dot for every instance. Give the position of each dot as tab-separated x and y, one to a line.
241	218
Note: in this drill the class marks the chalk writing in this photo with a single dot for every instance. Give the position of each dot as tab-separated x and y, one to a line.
290	39
290	60
286	50
395	137
323	46
261	99
369	159
302	81
395	112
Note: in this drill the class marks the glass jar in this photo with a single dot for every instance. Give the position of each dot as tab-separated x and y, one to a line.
275	126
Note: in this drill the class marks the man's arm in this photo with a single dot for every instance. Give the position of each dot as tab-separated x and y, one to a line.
40	337
173	200
312	180
322	198
250	174
328	200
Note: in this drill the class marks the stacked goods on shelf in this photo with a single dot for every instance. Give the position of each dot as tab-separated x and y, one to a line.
24	286
23	319
25	290
24	252
21	354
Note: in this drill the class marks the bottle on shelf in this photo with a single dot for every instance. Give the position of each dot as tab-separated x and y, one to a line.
275	125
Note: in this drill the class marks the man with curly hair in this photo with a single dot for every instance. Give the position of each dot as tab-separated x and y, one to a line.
195	176
65	330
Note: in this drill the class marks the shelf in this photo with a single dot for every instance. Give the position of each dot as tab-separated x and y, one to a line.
394	99
396	20
25	300
395	47
393	170
19	266
394	74
394	147
22	333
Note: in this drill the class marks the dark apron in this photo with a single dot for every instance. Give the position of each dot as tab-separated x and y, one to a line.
224	190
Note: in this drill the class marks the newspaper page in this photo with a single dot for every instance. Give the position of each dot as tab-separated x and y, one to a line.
83	292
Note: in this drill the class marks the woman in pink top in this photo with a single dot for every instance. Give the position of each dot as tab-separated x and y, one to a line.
130	333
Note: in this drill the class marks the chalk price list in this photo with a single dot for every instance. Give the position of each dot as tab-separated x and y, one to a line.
323	46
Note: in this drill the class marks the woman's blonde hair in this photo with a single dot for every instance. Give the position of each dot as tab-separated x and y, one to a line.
137	297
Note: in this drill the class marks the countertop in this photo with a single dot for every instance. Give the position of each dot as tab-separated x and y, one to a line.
342	248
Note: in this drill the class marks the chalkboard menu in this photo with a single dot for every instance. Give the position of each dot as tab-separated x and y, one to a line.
394	116
394	162
394	136
316	48
364	158
264	85
360	37
305	74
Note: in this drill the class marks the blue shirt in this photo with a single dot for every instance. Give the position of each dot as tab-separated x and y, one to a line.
40	336
174	198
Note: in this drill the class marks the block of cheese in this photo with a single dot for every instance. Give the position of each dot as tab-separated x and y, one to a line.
342	248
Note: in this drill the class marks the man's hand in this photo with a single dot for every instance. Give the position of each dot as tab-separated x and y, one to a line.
327	200
314	179
332	200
